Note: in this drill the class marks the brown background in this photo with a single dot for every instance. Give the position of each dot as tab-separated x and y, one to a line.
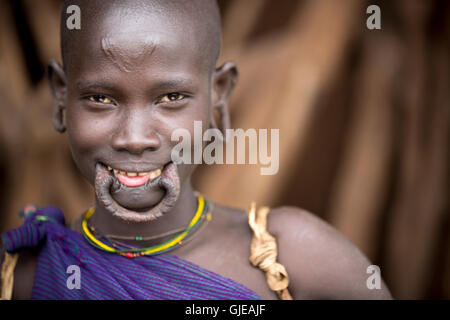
363	118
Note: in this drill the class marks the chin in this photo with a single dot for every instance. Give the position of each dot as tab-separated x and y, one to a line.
137	201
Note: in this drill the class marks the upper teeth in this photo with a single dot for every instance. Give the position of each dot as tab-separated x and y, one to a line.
153	174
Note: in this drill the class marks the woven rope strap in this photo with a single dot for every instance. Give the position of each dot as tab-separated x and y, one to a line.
263	252
7	276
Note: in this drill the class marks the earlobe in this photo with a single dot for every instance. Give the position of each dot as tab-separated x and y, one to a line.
224	81
58	119
223	118
58	89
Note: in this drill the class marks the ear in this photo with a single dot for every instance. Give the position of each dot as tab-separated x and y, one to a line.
224	81
58	87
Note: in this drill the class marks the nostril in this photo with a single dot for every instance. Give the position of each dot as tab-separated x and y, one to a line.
135	132
136	143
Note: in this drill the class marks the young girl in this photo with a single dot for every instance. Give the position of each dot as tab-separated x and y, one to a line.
133	73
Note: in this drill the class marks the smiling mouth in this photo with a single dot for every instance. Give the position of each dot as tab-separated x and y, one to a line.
133	185
135	179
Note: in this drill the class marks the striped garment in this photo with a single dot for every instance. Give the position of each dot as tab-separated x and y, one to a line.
109	276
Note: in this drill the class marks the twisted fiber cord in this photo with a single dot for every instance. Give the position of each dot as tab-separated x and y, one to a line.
7	276
263	252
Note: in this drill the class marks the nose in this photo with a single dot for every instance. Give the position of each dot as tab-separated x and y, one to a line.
136	135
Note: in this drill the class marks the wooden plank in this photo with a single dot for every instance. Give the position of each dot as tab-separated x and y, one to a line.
282	95
44	17
363	178
417	211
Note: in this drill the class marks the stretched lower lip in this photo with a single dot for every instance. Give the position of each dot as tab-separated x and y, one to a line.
111	194
133	181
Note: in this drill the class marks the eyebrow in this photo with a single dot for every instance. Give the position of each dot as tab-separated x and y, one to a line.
175	83
90	85
166	84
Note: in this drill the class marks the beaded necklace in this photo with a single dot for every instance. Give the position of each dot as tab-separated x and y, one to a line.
129	251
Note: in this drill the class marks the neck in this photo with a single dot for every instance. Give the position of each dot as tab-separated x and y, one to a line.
179	217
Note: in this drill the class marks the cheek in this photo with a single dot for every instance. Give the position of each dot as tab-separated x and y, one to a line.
187	119
86	131
86	136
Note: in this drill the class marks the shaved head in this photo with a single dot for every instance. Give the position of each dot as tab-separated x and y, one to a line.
197	20
134	72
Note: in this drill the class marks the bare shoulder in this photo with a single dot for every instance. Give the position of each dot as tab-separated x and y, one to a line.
320	261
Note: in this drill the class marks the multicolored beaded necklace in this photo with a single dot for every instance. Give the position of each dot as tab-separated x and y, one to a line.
129	251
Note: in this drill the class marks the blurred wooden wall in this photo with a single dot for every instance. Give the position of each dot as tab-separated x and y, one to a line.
363	118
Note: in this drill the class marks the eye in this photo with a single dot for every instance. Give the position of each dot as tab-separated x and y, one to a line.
172	97
100	99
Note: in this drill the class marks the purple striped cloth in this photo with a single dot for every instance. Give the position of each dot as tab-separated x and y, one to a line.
109	276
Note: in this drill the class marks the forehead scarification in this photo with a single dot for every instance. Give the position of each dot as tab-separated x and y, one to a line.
128	55
196	20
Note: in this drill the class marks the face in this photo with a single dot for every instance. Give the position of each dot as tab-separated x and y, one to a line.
124	92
